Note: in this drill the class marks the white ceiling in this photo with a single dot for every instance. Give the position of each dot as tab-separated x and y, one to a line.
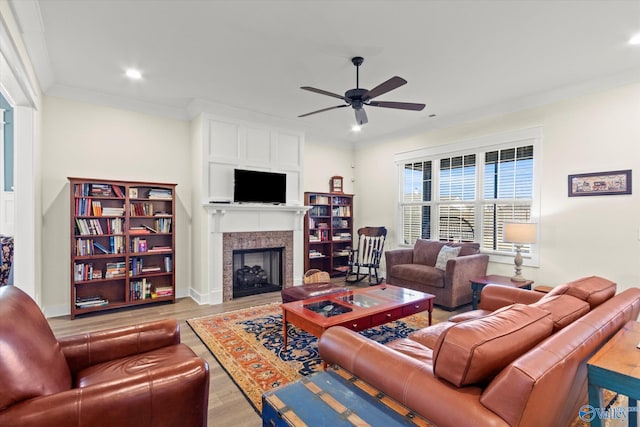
464	59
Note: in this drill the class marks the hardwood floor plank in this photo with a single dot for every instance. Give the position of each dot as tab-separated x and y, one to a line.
227	404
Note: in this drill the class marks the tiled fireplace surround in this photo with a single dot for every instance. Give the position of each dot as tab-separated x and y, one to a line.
232	226
256	240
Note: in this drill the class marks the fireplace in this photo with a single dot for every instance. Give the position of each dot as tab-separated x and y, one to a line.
257	271
235	227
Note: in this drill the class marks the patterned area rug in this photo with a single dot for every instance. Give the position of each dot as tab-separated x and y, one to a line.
248	345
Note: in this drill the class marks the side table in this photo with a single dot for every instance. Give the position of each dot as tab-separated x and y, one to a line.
494	279
615	367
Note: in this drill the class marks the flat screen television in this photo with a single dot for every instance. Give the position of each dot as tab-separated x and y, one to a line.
259	187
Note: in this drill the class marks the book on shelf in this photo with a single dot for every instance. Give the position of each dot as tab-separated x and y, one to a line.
319	200
168	264
140	289
163	291
118	191
117	244
136	266
84	247
159	249
141	209
315	254
101	248
163	225
83	207
83	272
138	230
151	269
113	211
341	236
92	301
115	226
159	193
138	245
101	190
115	270
88	226
96	208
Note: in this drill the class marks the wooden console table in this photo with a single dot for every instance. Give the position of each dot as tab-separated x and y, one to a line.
493	279
615	367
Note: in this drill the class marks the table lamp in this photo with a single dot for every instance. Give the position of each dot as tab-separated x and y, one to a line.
519	234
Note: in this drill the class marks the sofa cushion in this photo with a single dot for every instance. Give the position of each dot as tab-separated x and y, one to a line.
419	273
564	309
594	290
466	248
446	253
475	351
426	251
31	361
429	336
121	368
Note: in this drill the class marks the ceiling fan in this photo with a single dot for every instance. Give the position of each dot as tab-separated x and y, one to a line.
357	98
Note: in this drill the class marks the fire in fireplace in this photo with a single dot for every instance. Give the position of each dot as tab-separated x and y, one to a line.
256	271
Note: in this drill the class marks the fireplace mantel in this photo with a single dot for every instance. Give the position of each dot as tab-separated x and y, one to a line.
246	218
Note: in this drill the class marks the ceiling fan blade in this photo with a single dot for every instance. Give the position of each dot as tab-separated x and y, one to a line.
324	109
361	117
322	92
391	84
398	105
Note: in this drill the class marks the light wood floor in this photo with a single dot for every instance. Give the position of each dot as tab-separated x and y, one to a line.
227	404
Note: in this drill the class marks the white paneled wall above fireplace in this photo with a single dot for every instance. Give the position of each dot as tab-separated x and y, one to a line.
230	144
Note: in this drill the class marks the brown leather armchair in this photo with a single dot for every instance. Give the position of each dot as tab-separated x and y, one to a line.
132	376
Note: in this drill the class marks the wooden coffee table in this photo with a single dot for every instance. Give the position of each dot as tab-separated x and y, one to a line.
357	310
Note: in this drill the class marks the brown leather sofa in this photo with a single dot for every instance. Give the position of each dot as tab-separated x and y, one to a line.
521	365
132	376
415	268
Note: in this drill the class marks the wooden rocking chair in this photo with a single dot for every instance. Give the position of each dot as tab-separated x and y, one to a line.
366	256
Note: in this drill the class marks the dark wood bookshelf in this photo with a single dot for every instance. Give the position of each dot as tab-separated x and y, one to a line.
106	214
328	236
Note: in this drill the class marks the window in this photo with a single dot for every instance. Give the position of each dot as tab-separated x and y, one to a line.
6	144
468	193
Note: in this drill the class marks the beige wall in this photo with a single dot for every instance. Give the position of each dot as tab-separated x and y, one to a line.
579	236
323	160
85	140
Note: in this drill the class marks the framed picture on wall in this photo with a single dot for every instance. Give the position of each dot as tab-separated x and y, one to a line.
600	183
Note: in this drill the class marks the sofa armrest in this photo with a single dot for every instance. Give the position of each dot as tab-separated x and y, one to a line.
494	297
462	269
398	256
84	350
405	379
170	396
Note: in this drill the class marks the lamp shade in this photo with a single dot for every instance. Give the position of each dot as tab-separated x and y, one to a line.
520	232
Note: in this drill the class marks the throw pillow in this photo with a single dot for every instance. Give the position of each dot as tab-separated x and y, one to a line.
445	254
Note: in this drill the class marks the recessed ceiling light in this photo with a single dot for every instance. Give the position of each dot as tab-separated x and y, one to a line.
133	74
356	128
635	39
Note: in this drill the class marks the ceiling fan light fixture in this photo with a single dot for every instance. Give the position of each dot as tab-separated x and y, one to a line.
358	97
356	128
133	74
